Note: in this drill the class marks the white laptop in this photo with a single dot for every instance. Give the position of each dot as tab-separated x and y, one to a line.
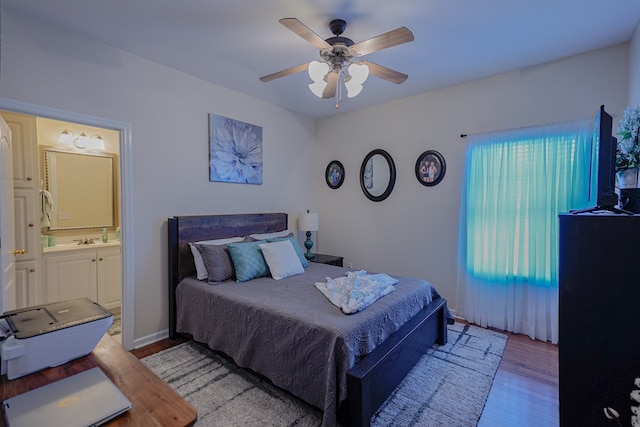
85	399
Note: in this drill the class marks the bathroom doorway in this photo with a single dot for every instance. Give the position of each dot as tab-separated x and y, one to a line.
62	239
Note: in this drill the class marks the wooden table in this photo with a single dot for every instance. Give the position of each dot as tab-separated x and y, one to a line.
154	403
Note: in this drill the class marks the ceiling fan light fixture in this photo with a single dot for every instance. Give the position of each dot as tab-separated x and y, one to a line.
317	71
359	72
336	70
358	75
353	90
318	87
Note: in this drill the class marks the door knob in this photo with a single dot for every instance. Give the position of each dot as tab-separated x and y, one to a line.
19	251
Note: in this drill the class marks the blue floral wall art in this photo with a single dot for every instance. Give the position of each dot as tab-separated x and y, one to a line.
235	151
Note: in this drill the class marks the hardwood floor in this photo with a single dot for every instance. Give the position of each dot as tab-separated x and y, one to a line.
156	347
525	388
524	391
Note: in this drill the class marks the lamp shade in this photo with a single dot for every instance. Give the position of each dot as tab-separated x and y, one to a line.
67	137
317	71
308	222
94	142
359	74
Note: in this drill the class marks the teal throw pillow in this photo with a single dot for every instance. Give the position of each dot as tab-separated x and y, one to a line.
248	261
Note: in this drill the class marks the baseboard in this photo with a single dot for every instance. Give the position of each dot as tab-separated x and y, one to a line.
151	338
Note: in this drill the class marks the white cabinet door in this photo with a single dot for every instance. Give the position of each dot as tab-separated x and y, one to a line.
27	284
109	278
25	157
71	276
7	222
27	230
22	169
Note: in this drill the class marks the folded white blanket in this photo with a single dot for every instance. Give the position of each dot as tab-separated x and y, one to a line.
356	290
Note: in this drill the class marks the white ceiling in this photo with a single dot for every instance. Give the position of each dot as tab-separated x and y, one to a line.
232	43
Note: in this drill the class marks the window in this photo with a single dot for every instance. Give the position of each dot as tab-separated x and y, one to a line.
516	184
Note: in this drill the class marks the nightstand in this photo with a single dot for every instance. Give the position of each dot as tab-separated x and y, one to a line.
328	259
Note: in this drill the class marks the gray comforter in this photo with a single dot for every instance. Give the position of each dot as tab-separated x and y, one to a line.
289	332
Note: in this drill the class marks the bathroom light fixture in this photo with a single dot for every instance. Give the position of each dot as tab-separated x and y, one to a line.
93	142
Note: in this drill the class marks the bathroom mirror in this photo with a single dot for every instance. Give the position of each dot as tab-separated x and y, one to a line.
377	175
82	188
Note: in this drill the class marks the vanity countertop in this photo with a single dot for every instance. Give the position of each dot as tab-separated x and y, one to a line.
75	246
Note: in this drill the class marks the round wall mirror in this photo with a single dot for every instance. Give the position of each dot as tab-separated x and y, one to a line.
377	175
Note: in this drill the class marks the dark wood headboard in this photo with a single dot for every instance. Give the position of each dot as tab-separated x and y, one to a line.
186	229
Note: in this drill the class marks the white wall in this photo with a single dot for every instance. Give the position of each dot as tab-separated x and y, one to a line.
168	111
415	231
634	68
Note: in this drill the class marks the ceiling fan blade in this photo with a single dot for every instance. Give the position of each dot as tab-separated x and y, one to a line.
332	85
383	41
303	31
385	73
286	72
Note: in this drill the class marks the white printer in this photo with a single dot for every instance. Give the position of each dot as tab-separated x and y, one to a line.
51	334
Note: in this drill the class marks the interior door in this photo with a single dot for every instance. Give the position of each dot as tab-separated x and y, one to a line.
7	222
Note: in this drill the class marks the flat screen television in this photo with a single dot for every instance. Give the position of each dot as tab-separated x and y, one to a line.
602	182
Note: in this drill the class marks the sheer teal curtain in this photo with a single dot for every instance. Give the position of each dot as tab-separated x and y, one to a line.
516	184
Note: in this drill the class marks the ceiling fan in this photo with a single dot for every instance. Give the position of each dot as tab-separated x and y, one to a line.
339	59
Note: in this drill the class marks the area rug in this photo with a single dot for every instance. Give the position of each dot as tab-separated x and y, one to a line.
448	386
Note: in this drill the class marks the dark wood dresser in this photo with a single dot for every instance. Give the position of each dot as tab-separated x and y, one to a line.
599	308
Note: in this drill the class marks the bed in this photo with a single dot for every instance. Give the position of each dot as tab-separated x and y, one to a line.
347	365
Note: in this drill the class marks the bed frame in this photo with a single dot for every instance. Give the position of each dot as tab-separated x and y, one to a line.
375	376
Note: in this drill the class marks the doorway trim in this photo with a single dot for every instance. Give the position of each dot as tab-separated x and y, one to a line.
126	196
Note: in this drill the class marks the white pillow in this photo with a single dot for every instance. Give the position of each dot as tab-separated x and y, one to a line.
266	236
201	270
281	259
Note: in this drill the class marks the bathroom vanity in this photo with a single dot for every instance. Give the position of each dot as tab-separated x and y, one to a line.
84	270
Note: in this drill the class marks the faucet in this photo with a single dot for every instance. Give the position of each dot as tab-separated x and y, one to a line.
85	241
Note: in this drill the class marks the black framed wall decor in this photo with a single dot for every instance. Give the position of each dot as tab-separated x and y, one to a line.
430	168
334	174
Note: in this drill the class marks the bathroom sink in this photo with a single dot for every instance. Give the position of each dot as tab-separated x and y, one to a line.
74	245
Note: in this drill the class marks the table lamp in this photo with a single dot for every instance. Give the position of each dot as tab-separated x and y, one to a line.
308	222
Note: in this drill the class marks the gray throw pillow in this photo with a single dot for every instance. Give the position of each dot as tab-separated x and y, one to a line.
217	261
